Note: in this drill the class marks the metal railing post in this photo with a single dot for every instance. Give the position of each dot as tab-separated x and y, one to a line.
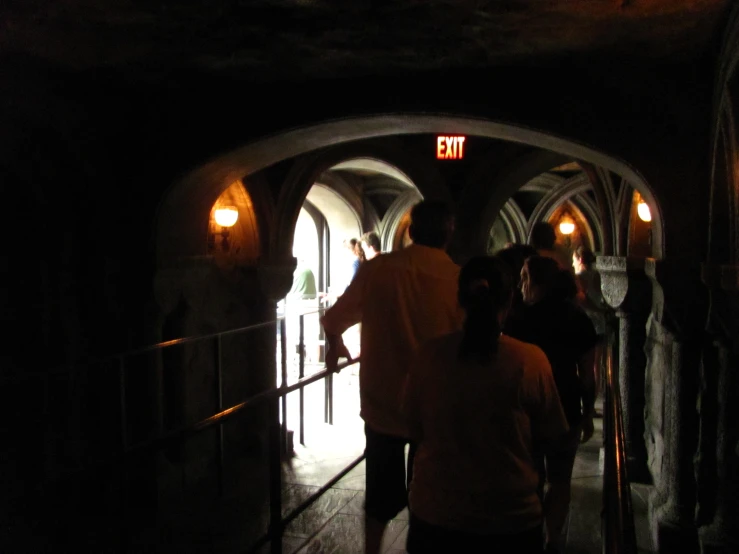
301	374
124	446
330	385
132	448
283	384
219	408
275	476
618	531
326	401
122	402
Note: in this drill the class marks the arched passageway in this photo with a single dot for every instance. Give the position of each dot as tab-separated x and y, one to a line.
177	234
566	194
324	170
326	167
355	196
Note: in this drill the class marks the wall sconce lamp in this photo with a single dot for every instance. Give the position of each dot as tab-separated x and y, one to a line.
225	217
566	227
642	209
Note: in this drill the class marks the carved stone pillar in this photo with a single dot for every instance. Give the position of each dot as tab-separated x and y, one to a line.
275	281
626	288
670	420
276	277
717	458
199	296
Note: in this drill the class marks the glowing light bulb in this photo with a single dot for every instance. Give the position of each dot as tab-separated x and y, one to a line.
645	214
226	217
566	227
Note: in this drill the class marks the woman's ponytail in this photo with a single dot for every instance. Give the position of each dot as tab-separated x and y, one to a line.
485	288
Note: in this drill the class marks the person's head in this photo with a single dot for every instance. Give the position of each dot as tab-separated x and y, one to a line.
538	277
370	245
543	236
355	248
582	259
358	251
432	224
485	292
514	256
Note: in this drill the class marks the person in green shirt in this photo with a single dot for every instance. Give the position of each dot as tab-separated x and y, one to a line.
304	283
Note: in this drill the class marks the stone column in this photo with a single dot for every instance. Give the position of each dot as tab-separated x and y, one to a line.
275	280
670	420
276	277
200	296
627	289
717	459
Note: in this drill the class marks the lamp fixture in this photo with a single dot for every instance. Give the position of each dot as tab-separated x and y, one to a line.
225	217
566	227
642	209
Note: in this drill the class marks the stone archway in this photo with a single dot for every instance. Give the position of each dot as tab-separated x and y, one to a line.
183	214
343	222
390	158
514	220
572	192
396	216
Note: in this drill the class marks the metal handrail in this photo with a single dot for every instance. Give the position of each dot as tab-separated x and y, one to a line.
277	430
618	529
165	440
91	360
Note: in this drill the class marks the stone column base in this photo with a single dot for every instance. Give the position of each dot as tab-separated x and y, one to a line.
669	536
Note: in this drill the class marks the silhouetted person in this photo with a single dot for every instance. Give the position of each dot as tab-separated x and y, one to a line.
544	239
357	255
371	245
514	257
402	299
478	404
552	320
592	302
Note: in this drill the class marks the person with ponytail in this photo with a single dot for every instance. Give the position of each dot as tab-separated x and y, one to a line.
479	404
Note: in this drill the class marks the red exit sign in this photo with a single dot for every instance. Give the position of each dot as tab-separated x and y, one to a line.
450	147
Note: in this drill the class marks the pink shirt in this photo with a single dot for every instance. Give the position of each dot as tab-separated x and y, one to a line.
476	426
402	299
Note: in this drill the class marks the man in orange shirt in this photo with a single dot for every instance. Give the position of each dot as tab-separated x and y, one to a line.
402	299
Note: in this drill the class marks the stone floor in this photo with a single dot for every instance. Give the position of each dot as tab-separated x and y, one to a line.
333	524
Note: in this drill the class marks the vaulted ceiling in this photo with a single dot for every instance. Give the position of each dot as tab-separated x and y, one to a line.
321	37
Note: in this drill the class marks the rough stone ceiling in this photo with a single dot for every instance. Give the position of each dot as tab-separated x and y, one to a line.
321	37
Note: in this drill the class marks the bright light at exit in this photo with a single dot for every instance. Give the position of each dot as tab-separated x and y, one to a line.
226	217
644	212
